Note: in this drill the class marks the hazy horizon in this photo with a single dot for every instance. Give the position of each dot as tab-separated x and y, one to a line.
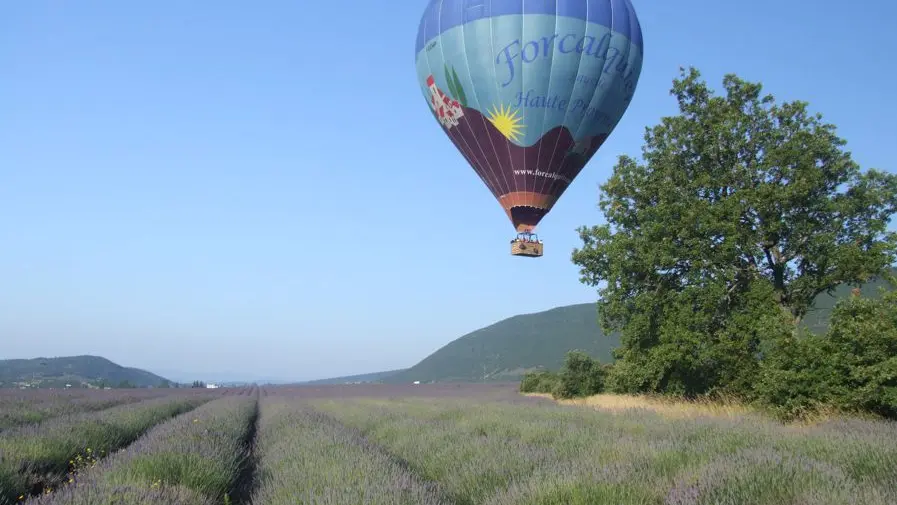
220	188
182	376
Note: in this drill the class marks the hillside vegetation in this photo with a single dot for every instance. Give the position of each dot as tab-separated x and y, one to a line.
79	371
354	379
820	314
507	349
511	347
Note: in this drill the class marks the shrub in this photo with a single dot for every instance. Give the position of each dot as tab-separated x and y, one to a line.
852	368
580	376
541	381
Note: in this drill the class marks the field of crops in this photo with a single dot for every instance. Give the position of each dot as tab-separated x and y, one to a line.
18	407
425	444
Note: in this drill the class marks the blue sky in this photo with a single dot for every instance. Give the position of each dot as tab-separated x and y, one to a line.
227	189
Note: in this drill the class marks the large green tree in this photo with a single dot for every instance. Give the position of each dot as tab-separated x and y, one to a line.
741	213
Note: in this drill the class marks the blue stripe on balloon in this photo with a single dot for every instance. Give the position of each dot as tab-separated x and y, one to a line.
442	15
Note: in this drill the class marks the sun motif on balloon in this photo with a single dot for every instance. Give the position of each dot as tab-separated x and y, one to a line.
506	121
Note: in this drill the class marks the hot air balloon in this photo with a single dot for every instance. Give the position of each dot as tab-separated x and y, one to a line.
528	90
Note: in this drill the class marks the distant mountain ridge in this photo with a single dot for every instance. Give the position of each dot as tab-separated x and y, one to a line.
354	379
502	351
77	371
507	349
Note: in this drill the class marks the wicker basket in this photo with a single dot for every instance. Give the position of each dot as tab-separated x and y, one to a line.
531	249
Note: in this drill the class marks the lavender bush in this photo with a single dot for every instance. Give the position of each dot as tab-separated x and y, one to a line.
93	493
477	444
37	456
503	453
305	458
195	458
470	462
769	476
18	407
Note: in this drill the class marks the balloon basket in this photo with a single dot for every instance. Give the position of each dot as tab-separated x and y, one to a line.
527	245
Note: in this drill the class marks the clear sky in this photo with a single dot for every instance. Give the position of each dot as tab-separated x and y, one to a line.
246	190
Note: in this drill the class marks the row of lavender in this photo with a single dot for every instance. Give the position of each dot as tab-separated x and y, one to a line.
306	458
20	407
38	456
483	449
196	458
496	450
502	453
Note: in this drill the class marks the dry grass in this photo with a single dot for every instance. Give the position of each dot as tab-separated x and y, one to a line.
663	406
684	409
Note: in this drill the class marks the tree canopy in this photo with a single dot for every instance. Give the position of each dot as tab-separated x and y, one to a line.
741	213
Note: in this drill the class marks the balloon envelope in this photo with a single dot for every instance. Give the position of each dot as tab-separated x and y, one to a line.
528	90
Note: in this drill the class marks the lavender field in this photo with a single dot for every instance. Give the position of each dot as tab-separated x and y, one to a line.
433	445
18	407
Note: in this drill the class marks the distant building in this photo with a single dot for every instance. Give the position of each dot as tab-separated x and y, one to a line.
211	386
417	382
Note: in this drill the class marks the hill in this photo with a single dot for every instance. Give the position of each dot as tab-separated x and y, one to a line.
79	371
509	348
354	379
818	317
